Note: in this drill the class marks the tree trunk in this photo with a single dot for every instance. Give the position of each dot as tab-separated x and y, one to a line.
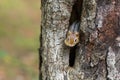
97	57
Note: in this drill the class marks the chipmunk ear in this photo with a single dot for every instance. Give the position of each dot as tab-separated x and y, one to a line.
77	34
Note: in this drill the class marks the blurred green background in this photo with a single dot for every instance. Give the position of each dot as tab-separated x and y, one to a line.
19	39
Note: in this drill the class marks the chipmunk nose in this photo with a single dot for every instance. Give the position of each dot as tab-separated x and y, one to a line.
71	43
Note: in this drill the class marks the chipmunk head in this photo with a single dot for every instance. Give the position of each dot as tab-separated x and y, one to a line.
72	38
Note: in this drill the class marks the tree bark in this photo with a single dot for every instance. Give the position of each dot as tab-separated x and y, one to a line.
97	57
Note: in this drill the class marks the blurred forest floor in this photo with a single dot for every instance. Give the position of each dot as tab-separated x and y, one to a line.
19	39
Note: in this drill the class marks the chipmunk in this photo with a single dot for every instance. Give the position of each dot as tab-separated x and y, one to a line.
73	35
72	39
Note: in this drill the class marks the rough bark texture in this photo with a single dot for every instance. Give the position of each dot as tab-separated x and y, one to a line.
55	19
98	56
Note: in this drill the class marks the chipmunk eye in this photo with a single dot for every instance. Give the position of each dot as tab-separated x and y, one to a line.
75	40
